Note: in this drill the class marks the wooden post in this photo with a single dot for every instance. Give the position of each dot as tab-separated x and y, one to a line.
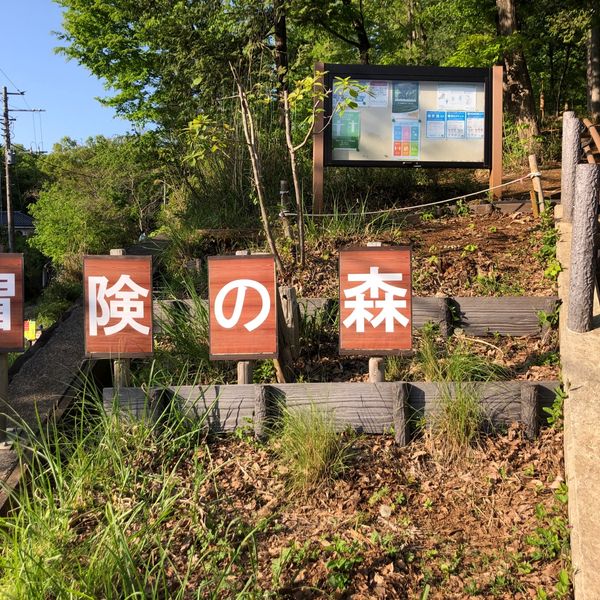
121	366
400	401
497	116
529	410
570	157
319	146
3	395
245	368
291	314
284	363
376	369
582	268
260	411
537	181
284	195
534	205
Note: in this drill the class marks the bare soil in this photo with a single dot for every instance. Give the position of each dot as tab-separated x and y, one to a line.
401	523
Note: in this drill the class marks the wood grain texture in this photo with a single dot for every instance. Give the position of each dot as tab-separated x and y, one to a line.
12	339
237	342
570	157
582	270
368	408
127	343
516	316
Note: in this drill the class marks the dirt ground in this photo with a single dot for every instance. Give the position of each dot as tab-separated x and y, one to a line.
401	523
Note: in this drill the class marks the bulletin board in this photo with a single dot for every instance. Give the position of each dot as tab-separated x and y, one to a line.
409	117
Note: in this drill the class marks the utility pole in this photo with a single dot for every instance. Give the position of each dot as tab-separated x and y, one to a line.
8	161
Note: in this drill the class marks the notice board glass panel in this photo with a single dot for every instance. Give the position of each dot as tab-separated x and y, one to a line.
409	116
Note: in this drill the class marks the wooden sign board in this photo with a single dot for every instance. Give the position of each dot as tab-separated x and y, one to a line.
243	310
375	301
11	303
118	306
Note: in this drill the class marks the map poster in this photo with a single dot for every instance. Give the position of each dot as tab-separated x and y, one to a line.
405	96
475	125
345	131
405	135
455	125
435	124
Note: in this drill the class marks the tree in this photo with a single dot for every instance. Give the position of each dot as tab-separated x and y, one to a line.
98	196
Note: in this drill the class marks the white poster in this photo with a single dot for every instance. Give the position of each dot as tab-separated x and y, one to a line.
375	96
475	125
457	97
455	125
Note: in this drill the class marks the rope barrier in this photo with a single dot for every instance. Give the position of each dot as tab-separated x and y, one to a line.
411	208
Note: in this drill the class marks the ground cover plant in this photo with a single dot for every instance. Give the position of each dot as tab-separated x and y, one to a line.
119	508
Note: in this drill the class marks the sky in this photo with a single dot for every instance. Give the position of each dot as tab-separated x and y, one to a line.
64	89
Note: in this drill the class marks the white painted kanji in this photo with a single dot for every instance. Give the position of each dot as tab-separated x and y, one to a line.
7	291
240	286
375	301
121	301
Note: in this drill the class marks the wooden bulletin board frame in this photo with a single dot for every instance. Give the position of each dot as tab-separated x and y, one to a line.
487	79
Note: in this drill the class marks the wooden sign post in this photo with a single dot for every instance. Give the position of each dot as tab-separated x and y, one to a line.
11	323
375	301
243	309
118	308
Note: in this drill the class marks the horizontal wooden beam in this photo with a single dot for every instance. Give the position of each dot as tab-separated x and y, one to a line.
366	407
478	316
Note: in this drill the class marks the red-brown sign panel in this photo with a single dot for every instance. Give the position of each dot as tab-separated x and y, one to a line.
243	312
375	300
118	306
11	303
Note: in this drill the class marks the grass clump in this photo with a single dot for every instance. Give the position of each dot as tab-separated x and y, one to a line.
461	418
107	514
310	449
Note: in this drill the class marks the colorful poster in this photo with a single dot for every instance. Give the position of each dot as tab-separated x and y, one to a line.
475	125
405	96
375	96
345	131
457	97
406	138
435	124
455	125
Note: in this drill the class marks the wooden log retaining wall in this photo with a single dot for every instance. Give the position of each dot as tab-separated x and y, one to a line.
372	408
476	316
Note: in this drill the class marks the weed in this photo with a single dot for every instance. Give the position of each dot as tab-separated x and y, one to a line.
378	495
346	556
555	412
562	493
462	208
550	538
264	372
427	215
495	284
468	249
552	269
549	319
310	448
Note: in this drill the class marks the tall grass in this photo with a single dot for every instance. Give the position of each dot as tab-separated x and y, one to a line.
118	508
311	450
461	418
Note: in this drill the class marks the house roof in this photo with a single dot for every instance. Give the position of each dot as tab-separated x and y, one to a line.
19	219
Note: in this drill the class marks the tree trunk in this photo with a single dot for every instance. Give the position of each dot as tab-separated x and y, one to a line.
281	54
358	22
593	70
518	92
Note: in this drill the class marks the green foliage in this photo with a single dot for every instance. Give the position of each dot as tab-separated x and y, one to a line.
100	497
57	298
310	449
345	557
100	195
555	412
